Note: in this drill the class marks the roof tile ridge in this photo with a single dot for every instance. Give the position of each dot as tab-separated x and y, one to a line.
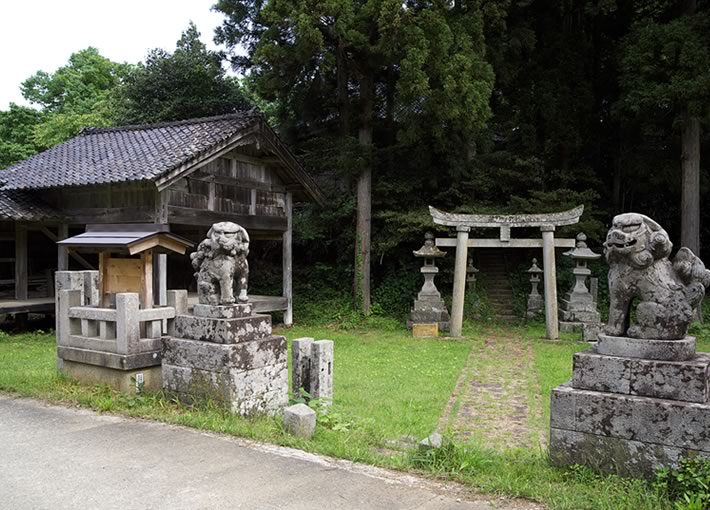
242	114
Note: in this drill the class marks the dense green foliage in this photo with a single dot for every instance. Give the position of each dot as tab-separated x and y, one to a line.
75	96
188	83
688	486
583	108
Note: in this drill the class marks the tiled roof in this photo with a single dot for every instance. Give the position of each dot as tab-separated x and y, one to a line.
22	206
131	153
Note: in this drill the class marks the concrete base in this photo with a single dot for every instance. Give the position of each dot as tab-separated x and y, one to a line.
428	310
226	354
247	392
624	457
425	330
126	381
667	350
631	416
590	330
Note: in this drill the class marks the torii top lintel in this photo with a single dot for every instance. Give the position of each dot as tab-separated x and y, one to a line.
557	219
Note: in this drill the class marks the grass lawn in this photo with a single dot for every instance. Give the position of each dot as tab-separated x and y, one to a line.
387	385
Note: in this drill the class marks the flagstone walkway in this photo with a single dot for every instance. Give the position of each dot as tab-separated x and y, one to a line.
496	400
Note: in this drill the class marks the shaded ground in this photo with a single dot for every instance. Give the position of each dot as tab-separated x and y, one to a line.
496	400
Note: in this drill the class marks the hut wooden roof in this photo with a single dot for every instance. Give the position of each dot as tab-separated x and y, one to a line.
154	152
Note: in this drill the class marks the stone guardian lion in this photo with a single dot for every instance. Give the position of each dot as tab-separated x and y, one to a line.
220	262
637	250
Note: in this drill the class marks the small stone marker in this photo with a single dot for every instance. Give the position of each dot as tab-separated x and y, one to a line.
312	366
425	330
300	421
434	441
301	364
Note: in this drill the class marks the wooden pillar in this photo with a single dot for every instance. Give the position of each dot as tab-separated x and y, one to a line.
459	280
104	256
62	251
161	279
20	261
147	279
288	261
550	270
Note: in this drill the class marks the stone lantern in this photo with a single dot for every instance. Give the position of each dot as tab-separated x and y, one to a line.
471	275
429	313
535	301
577	306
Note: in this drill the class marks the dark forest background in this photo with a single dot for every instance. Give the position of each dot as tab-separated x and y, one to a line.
505	106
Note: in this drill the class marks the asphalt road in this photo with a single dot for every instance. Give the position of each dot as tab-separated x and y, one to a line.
55	457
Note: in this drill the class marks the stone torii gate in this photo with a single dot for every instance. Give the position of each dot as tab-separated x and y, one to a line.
547	224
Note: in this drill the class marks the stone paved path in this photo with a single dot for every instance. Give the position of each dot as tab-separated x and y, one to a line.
493	397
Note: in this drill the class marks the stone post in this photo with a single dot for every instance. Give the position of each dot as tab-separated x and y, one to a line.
178	300
459	280
312	368
550	270
127	324
322	370
301	364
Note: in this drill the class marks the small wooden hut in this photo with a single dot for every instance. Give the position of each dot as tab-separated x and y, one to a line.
187	174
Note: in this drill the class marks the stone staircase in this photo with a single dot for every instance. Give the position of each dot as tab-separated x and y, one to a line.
496	277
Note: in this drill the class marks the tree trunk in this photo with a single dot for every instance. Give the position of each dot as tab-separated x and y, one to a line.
364	199
690	199
342	85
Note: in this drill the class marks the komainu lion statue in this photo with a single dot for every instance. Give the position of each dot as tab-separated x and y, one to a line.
221	261
637	250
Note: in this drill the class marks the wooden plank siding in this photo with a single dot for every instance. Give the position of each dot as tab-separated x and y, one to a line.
233	187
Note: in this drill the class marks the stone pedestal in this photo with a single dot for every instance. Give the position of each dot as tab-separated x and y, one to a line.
429	308
628	414
228	354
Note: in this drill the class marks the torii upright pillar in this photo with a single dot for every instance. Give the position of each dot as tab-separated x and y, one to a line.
459	280
552	326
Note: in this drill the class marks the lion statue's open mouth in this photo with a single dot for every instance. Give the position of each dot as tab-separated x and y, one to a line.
637	250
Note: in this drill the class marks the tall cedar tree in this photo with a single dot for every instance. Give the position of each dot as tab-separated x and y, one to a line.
188	83
412	69
665	73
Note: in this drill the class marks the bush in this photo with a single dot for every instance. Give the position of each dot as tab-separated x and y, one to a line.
687	486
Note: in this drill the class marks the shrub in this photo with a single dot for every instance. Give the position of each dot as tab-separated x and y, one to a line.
687	486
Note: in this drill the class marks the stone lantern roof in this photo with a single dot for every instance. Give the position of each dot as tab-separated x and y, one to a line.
581	251
429	249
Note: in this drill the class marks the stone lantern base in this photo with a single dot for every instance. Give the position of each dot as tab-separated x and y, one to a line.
628	414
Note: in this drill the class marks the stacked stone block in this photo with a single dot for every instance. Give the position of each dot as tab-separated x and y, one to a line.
627	414
228	354
312	364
